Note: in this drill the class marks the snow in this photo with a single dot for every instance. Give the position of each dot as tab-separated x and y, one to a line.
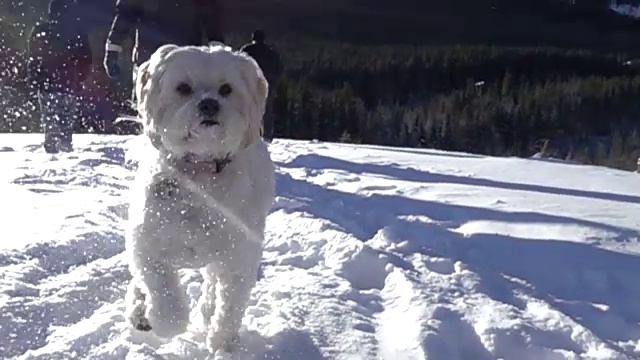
625	9
371	253
629	8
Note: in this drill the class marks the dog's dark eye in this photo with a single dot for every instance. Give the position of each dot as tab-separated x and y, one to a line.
184	89
225	90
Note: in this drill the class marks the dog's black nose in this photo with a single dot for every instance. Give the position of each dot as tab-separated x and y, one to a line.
209	107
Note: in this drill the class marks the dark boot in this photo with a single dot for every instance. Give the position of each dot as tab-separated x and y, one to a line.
66	136
51	142
268	123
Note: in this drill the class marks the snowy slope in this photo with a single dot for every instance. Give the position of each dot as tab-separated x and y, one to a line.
371	253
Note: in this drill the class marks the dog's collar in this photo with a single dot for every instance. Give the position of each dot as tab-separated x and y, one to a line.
190	165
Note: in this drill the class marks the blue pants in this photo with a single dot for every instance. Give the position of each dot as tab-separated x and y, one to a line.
58	114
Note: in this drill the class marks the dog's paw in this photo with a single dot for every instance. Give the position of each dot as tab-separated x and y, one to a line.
207	310
136	315
138	321
168	316
143	325
220	340
206	303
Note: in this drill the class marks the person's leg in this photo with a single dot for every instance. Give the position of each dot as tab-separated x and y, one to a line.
87	118
49	120
268	120
70	115
134	75
106	116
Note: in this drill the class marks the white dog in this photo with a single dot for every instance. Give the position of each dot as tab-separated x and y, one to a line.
202	192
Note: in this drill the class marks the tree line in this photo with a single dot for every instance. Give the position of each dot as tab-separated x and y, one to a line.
481	99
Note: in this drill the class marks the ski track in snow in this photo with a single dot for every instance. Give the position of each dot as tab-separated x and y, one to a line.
371	253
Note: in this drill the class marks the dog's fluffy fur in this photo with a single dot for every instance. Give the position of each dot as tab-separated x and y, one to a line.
210	220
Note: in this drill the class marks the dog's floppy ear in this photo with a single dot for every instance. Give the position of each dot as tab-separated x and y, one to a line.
162	52
259	90
144	77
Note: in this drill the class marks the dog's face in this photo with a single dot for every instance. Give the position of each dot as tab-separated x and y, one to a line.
207	101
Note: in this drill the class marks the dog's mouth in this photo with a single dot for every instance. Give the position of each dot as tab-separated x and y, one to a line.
209	123
199	130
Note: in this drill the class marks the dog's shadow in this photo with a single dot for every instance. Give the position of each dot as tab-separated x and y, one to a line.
289	344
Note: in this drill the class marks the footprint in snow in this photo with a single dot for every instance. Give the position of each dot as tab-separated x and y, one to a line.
282	203
379	188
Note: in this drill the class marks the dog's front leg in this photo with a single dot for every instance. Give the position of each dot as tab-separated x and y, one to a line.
207	301
136	308
167	308
233	293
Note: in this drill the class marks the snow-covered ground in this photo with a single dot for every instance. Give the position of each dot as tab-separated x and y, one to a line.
371	253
